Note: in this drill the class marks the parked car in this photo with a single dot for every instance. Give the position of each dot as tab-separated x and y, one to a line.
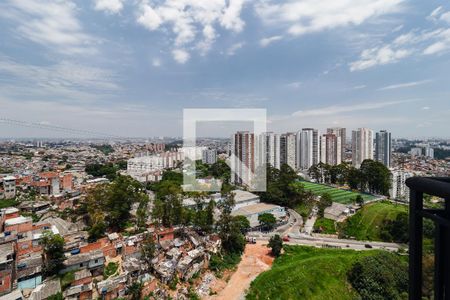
286	239
368	246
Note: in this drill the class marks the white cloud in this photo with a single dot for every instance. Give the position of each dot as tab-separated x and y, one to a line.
232	50
440	45
148	17
378	56
434	15
294	85
192	23
231	16
156	62
415	42
446	17
267	41
51	24
307	16
426	108
109	6
404	85
339	109
69	79
180	55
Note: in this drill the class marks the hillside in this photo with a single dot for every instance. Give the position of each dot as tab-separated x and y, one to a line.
366	223
307	273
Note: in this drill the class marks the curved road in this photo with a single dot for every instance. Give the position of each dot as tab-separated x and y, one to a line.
297	238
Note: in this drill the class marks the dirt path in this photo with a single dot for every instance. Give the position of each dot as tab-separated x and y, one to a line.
255	260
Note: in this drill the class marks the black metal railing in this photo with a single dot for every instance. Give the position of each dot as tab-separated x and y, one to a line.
440	187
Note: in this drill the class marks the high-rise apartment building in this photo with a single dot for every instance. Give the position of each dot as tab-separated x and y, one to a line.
383	147
399	190
308	148
288	149
330	149
272	149
429	152
362	146
243	148
342	134
209	156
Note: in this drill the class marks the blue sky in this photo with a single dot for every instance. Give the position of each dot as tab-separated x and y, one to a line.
129	67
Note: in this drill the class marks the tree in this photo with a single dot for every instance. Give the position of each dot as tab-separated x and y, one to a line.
396	230
233	240
243	223
135	290
276	244
324	202
53	251
359	200
123	192
354	178
141	213
148	248
380	276
267	220
376	177
109	205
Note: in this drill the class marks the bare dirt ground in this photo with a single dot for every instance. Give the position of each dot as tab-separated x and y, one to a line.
255	260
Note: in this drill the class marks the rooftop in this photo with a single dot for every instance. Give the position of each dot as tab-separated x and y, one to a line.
254	209
242	196
18	220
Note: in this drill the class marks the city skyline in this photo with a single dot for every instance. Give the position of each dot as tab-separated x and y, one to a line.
127	68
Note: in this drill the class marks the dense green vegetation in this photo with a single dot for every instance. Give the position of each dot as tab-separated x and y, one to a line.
308	273
284	189
380	276
267	221
224	261
108	205
53	249
441	153
372	176
110	269
325	226
8	203
109	170
276	245
369	221
105	148
337	195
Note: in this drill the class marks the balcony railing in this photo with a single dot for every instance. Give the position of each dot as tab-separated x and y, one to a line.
440	187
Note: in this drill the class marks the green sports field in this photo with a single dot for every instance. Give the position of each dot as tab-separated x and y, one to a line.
338	195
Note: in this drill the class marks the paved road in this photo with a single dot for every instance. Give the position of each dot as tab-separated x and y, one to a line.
302	239
309	224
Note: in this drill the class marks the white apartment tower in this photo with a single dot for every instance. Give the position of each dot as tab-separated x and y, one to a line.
288	149
209	156
399	190
383	148
342	134
308	148
243	157
362	146
330	149
272	149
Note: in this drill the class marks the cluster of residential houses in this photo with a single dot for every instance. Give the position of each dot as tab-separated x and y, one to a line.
21	259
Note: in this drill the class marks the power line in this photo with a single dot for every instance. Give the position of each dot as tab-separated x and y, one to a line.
68	130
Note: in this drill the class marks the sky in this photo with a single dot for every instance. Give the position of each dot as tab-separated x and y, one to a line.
129	67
